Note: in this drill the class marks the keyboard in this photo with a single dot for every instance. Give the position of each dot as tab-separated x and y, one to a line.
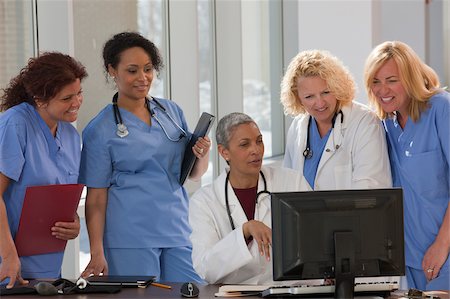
302	290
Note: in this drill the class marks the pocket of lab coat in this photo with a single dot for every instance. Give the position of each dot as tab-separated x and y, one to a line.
343	176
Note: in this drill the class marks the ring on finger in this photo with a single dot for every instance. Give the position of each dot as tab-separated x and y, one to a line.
430	270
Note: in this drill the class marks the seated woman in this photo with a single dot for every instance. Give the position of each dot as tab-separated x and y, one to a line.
231	218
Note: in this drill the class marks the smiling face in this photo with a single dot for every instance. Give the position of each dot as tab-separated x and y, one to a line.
245	151
389	90
317	100
133	75
63	106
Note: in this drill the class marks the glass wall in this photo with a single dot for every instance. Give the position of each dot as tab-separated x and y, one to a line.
94	23
262	69
206	71
17	32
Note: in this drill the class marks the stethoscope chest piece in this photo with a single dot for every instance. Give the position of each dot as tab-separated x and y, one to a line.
122	130
308	153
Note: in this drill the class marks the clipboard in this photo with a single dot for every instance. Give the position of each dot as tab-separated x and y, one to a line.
204	124
43	206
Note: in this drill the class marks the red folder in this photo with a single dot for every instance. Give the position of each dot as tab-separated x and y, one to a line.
43	206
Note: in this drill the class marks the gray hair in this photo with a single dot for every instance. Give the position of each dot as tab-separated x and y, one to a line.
228	124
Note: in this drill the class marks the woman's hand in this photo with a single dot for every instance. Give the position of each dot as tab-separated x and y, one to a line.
434	258
201	147
10	268
97	265
261	234
201	151
67	230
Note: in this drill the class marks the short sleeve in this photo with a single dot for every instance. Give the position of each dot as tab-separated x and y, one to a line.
96	165
12	145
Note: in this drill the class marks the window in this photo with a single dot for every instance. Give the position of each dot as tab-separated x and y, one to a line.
206	75
17	32
262	70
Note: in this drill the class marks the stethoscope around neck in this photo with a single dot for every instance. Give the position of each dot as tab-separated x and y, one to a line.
308	152
264	191
122	130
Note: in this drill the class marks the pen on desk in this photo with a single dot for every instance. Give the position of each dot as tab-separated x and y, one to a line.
160	285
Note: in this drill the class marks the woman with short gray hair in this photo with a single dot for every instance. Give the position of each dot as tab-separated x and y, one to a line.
231	218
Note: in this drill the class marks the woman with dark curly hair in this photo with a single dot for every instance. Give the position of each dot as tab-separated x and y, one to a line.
38	146
334	142
136	208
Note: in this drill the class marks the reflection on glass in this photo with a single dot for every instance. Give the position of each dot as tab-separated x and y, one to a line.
16	37
261	48
206	72
151	25
97	21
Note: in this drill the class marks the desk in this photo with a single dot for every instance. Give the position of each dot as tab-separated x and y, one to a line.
206	292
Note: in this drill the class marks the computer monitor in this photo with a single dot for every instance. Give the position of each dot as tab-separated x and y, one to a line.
339	234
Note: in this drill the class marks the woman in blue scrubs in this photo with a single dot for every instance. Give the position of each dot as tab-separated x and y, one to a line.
416	116
136	209
38	146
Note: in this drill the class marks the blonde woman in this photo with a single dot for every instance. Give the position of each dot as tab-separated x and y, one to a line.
333	142
416	115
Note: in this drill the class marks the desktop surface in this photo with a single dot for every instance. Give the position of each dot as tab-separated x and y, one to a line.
206	292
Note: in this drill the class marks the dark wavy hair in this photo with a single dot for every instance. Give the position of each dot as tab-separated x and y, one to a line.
125	40
42	78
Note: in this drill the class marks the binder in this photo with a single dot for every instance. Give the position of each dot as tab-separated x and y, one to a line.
204	124
124	281
43	206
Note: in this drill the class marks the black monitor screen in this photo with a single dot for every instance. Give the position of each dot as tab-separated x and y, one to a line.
322	234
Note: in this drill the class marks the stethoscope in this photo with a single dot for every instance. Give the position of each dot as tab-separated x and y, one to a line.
308	153
264	191
122	130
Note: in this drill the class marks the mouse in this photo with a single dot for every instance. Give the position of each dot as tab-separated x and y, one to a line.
189	290
46	288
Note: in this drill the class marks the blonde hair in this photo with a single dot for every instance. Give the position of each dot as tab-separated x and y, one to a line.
419	80
316	63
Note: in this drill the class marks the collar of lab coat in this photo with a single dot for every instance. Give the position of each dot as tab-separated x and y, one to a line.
237	212
336	137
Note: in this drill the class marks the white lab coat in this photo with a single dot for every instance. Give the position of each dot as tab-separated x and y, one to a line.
221	255
355	156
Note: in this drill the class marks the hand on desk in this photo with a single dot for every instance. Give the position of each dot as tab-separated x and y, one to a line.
10	268
67	230
97	265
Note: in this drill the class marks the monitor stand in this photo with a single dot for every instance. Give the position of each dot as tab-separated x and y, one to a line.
344	274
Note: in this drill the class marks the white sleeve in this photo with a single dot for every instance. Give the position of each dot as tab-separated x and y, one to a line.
371	168
288	160
214	258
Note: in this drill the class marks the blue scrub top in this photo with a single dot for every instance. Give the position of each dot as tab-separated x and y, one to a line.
147	206
420	156
31	156
317	146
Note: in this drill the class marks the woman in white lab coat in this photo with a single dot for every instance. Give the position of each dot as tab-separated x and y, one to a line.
232	243
333	142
